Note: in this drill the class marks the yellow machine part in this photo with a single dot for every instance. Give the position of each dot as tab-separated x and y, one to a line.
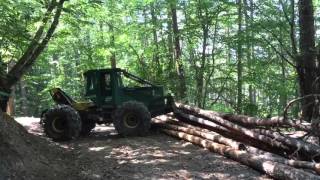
81	106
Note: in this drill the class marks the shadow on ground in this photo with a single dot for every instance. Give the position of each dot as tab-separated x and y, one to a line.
105	155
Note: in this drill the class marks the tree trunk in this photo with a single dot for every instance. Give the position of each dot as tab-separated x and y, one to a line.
213	60
170	55
156	57
113	53
283	93
182	87
239	58
10	104
200	70
23	95
35	48
306	64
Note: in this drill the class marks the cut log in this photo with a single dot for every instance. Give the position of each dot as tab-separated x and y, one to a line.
224	132
196	131
310	150
274	121
274	169
201	127
262	139
296	143
217	129
210	136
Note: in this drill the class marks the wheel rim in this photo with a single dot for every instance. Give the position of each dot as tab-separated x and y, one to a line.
58	125
131	120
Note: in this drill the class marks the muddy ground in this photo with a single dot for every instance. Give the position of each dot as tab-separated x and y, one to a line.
105	155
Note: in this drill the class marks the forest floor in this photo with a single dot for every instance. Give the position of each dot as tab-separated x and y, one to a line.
104	155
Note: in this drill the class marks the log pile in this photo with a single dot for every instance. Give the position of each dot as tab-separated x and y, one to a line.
257	143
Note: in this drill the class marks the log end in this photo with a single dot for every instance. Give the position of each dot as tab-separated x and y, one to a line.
317	168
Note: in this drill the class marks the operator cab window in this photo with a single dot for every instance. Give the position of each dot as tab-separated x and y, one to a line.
107	81
90	83
106	84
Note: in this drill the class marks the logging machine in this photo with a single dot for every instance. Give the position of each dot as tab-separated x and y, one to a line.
115	96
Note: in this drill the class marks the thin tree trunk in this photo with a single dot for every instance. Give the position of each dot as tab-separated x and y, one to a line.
182	88
113	53
249	52
156	58
283	94
239	58
211	74
200	70
170	68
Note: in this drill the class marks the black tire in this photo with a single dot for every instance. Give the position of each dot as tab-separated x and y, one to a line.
86	128
62	123
132	118
42	117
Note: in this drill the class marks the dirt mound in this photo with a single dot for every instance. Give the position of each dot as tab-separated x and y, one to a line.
25	156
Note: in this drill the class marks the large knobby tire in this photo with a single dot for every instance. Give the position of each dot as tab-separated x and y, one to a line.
62	123
86	128
132	119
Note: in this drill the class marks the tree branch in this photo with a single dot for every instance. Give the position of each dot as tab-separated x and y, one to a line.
35	48
279	53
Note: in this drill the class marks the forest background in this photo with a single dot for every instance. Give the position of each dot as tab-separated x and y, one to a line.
239	56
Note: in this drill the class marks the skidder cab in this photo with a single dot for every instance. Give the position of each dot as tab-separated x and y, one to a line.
115	96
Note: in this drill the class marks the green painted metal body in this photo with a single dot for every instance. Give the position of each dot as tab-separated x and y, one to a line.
110	88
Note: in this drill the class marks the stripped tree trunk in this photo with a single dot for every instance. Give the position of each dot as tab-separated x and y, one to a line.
274	169
254	122
212	136
255	139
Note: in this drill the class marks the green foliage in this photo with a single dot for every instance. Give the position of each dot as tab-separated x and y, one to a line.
90	33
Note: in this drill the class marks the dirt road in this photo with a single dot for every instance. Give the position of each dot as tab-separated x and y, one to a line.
104	155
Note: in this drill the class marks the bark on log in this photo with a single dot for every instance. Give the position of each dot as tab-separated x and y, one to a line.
232	127
296	143
210	136
173	124
181	122
171	119
190	123
222	131
274	121
310	150
274	169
